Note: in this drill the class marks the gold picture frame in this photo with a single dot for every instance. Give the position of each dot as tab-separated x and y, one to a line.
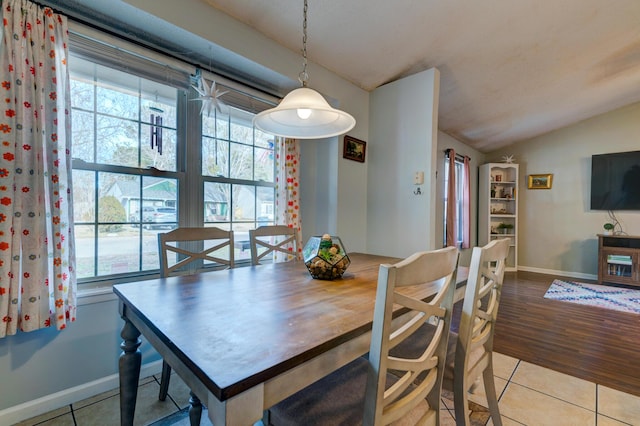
543	181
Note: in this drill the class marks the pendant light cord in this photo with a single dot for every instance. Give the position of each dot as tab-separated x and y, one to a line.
304	113
304	76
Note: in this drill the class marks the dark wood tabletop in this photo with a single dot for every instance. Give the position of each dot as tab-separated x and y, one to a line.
238	328
243	325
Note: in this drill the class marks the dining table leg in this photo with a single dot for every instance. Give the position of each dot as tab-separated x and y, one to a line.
195	409
129	368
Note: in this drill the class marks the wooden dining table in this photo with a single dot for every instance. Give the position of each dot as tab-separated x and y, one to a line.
245	338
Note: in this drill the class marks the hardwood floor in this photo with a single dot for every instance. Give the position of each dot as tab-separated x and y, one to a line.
595	344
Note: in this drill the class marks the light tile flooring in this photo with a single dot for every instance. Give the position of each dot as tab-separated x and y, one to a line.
529	395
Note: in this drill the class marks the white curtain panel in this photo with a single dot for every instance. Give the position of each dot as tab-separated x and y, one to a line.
37	259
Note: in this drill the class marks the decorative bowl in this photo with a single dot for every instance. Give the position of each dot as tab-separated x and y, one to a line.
325	257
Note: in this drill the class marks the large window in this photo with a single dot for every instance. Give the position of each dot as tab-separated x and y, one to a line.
238	175
146	161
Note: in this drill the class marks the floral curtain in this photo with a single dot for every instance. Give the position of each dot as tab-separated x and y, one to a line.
37	259
288	191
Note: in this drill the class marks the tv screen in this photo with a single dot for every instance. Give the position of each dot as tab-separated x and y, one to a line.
615	181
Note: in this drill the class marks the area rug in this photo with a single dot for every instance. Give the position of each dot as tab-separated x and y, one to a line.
603	296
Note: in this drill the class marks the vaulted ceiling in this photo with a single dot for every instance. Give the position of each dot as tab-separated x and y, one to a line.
510	70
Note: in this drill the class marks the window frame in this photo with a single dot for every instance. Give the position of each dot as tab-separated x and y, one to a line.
188	170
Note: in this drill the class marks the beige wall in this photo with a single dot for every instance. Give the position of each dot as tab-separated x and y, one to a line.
557	228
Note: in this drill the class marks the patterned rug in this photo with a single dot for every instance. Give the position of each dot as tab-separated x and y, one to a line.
603	296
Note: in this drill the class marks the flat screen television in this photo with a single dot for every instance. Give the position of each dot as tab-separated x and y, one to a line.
615	181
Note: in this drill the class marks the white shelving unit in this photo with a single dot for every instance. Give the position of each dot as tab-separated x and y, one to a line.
498	207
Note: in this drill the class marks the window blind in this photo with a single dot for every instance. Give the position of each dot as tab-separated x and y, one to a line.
105	49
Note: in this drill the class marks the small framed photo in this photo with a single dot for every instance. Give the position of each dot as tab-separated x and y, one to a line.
540	181
354	149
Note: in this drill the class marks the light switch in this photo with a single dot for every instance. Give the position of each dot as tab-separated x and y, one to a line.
418	178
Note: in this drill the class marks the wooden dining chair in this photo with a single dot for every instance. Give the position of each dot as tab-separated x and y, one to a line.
474	343
187	251
470	352
271	239
364	391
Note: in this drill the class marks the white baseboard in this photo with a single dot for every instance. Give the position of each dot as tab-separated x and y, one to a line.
558	273
51	402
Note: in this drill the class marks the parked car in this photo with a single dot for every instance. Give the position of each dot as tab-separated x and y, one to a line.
159	217
265	220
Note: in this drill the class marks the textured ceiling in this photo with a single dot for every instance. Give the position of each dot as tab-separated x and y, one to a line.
510	70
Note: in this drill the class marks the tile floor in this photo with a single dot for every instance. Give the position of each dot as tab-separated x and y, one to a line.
529	395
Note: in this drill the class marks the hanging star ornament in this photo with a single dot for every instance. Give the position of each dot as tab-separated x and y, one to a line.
507	159
210	96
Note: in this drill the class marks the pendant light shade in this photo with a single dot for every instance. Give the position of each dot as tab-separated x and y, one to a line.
304	114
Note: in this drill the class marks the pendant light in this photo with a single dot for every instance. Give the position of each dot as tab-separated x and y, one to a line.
304	113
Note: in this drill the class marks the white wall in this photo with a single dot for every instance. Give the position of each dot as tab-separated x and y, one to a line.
557	228
352	199
318	181
403	140
334	193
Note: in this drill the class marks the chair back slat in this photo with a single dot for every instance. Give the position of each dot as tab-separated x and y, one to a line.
482	297
190	250
269	239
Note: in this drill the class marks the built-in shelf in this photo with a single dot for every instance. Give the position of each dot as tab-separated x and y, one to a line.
498	203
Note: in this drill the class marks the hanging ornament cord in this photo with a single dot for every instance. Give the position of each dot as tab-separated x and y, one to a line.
156	129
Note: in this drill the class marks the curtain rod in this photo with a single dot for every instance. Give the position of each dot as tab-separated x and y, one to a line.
458	156
43	5
89	31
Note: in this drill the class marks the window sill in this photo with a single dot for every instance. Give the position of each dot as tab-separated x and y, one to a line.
95	295
90	292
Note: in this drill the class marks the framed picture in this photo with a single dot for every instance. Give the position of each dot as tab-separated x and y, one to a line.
540	181
354	149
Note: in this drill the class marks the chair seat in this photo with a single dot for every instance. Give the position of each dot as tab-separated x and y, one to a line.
336	400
